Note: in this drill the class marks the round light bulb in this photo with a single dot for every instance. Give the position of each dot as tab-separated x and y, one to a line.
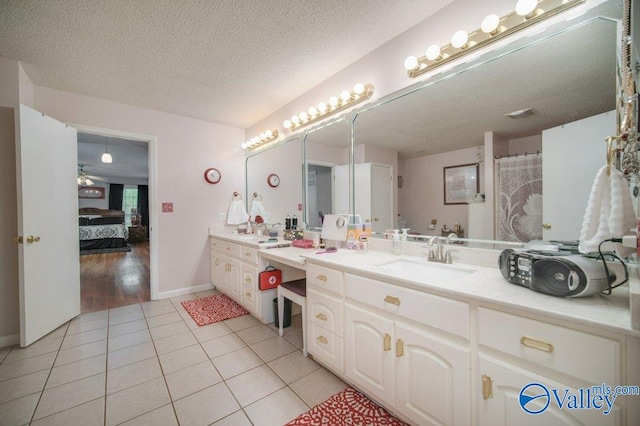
411	63
490	23
295	119
304	116
345	95
358	89
313	111
256	139
268	134
333	101
433	52
286	124
263	136
526	7
322	107
459	39
243	145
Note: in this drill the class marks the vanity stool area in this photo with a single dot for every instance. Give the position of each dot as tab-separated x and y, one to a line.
454	351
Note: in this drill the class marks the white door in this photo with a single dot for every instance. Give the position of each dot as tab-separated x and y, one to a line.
382	197
501	405
572	154
341	189
432	378
49	255
368	349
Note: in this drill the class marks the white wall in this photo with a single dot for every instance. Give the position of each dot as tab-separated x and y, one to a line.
185	148
421	197
528	144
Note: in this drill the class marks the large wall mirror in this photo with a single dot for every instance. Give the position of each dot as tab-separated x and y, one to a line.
276	197
565	76
327	171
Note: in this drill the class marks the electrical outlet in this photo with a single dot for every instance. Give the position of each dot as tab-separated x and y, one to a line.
222	217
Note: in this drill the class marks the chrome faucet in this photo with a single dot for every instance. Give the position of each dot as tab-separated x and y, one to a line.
438	255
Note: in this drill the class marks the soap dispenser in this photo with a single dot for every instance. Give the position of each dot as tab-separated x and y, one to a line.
404	236
397	248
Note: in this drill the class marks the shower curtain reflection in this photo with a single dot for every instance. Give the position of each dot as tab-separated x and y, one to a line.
519	185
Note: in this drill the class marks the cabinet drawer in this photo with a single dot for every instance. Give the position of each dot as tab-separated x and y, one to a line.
326	347
249	255
249	275
445	314
230	249
581	355
325	278
326	312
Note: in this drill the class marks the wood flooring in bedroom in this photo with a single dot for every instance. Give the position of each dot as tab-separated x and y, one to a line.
112	280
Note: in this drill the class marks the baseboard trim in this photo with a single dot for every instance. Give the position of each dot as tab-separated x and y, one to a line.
183	291
9	340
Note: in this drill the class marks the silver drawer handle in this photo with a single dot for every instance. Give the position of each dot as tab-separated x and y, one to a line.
536	344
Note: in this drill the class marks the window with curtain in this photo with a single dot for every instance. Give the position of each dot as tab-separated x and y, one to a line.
129	203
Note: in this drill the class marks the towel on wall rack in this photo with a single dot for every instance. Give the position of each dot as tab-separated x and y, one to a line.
237	213
609	212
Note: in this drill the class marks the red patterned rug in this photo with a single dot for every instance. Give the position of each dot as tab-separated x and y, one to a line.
210	309
348	407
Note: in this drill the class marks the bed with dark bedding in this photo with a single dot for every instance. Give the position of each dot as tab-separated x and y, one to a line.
102	229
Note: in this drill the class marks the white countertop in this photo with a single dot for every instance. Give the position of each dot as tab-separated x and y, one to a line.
483	284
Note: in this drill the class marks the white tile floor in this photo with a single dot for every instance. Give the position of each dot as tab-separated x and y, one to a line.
150	364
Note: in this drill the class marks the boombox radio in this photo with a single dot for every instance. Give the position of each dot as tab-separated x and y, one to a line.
567	275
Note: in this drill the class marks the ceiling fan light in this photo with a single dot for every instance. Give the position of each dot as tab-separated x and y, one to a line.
106	158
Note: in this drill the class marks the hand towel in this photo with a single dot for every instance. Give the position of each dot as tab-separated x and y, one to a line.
237	213
609	212
257	209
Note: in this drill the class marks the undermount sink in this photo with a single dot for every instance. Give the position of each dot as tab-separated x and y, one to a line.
424	271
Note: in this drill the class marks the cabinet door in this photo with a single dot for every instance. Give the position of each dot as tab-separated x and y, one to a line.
433	383
234	283
216	268
369	358
503	406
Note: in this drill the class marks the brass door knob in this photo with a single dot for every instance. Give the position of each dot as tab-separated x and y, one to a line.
18	240
31	239
546	226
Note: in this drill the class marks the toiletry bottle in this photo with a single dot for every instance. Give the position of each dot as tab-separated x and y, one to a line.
287	223
363	244
404	235
294	222
397	245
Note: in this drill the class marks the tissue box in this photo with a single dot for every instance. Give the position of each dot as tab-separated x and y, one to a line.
303	243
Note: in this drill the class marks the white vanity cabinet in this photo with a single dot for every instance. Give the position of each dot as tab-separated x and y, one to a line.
422	374
325	306
533	352
234	272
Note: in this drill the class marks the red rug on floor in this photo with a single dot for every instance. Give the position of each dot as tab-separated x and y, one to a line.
348	407
210	309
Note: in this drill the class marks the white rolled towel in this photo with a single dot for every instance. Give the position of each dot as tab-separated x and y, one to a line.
609	212
237	213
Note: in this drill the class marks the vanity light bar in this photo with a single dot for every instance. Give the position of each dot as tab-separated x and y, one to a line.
360	92
257	141
493	28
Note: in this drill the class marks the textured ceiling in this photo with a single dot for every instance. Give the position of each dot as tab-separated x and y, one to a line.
227	61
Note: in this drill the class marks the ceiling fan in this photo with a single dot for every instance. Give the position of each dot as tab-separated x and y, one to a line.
85	179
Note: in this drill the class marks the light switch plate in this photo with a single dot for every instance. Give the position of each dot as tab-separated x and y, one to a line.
222	217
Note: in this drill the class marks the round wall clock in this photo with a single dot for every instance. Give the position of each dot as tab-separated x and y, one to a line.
273	180
212	175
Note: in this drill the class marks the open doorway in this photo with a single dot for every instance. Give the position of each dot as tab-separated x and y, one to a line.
319	194
114	220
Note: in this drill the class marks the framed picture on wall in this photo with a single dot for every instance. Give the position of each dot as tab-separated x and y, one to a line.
460	183
95	192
